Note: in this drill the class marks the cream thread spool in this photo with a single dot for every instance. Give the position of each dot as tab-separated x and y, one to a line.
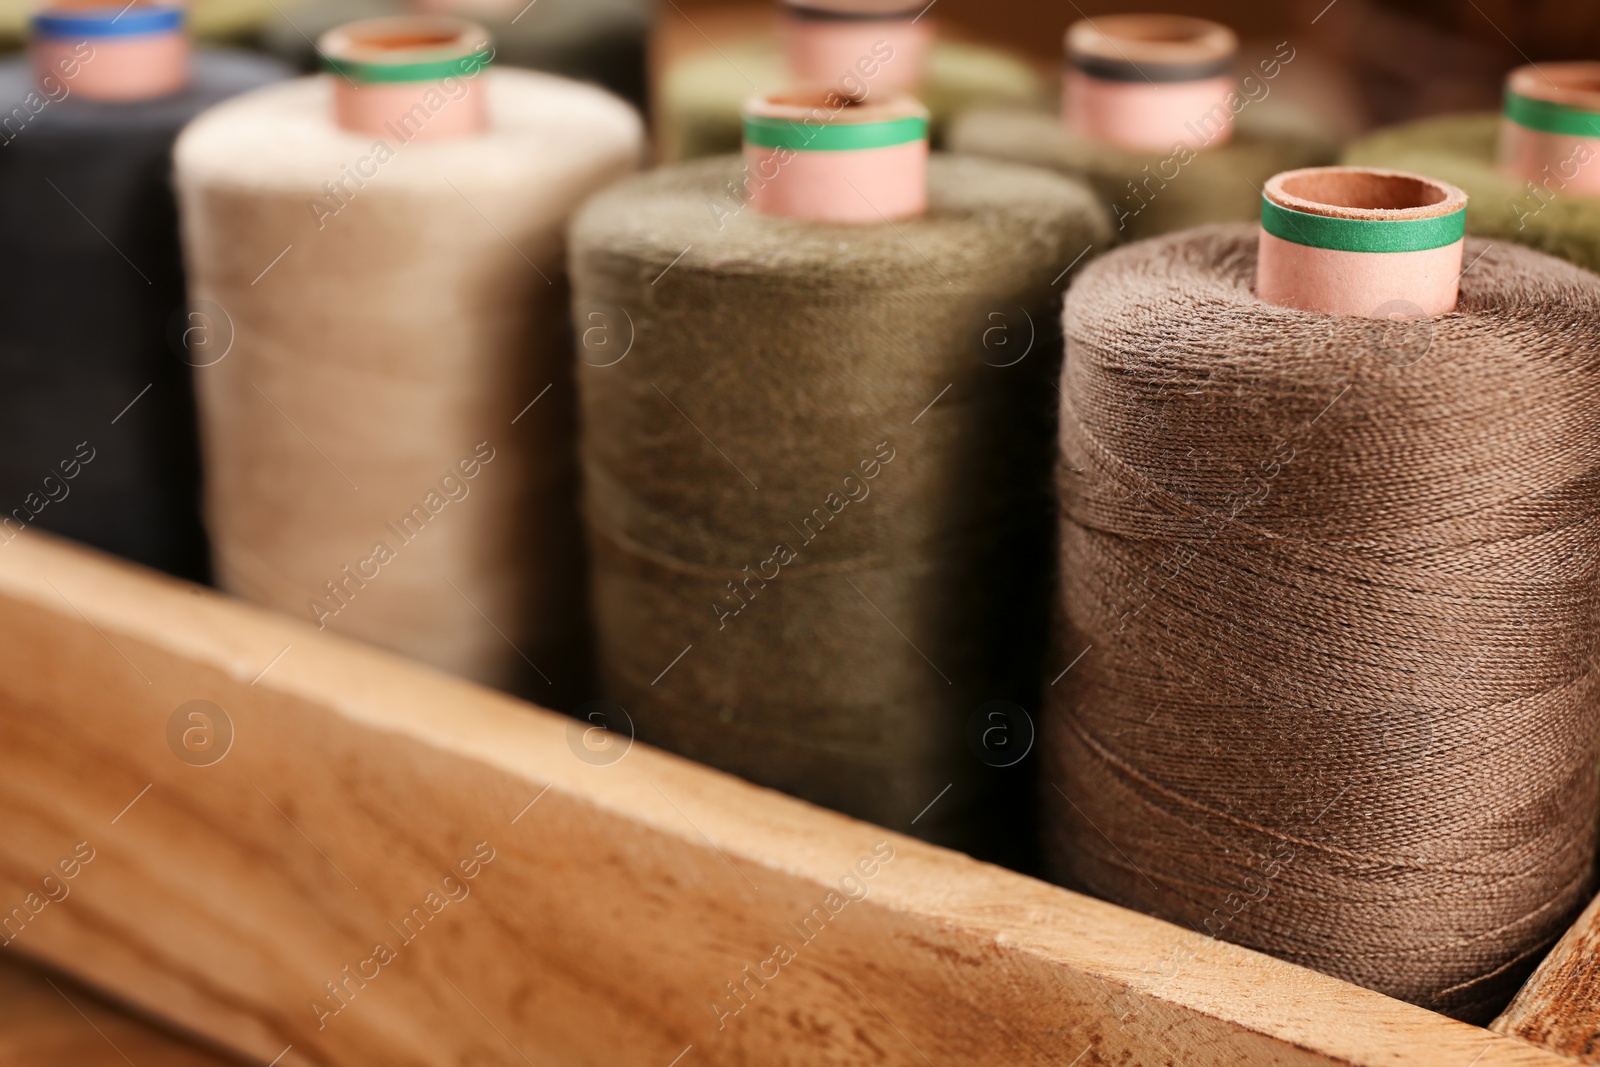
418	332
1361	241
883	43
1550	126
134	52
828	158
390	74
1149	81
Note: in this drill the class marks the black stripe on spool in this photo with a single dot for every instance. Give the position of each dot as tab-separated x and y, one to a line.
817	14
1124	70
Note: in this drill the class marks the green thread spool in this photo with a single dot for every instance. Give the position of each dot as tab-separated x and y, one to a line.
859	369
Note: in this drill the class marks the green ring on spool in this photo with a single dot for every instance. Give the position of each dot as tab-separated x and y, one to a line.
837	137
425	71
1362	235
1549	117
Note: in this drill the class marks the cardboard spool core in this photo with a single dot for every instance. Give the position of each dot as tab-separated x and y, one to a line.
374	91
110	57
857	47
1369	284
1149	82
1560	161
814	178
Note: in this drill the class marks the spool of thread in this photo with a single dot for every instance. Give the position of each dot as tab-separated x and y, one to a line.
1154	122
600	41
823	39
1533	173
389	445
702	95
813	494
1328	586
97	425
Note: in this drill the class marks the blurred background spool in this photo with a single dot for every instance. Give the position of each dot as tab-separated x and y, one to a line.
232	23
1154	119
820	45
97	424
1533	172
816	473
599	41
1329	585
402	355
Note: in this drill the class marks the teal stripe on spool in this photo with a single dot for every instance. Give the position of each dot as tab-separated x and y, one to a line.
1362	235
1549	117
431	70
767	132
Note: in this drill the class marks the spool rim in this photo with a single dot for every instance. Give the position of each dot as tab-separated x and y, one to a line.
1562	98
1363	209
1573	84
406	48
789	120
1151	47
80	19
852	10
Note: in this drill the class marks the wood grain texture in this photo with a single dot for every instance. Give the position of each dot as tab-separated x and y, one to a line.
618	902
47	1019
1559	1007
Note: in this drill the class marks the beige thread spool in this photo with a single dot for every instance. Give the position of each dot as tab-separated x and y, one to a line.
401	341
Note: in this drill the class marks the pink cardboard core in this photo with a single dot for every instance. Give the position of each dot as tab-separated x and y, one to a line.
857	58
412	78
1295	272
1148	117
869	185
822	157
411	111
140	67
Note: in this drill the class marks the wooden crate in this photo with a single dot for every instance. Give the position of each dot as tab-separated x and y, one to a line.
610	904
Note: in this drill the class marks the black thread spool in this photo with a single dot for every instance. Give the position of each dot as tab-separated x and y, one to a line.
97	424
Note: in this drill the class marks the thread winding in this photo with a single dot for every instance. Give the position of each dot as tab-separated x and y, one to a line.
1333	582
388	446
811	468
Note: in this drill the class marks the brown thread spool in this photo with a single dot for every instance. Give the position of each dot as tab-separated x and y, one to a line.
1328	593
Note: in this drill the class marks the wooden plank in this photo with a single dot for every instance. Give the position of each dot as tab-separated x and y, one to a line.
48	1019
610	904
1559	1007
